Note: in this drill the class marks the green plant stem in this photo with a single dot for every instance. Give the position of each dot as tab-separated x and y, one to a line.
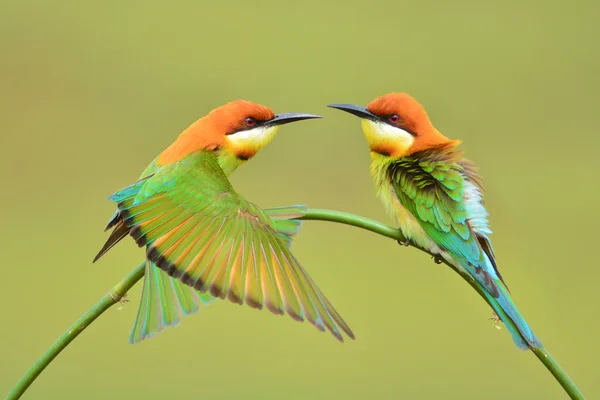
116	294
360	222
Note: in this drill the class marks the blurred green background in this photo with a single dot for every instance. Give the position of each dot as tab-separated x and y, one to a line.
91	91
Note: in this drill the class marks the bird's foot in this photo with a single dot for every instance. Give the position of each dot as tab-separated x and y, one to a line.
122	300
404	243
496	320
437	259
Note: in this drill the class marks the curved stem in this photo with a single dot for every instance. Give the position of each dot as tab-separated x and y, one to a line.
559	374
116	294
368	224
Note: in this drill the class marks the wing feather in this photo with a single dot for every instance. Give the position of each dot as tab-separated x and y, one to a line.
200	231
444	219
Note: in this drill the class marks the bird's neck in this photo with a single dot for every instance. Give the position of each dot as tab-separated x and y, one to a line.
379	160
229	161
379	166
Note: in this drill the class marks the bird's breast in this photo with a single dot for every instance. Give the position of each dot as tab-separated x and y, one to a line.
409	225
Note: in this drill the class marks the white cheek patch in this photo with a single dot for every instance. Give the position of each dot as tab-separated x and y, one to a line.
253	138
378	132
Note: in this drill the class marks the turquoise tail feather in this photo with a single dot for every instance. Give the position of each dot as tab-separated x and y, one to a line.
505	308
514	332
524	338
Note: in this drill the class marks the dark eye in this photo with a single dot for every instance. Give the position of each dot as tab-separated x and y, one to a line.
394	118
250	121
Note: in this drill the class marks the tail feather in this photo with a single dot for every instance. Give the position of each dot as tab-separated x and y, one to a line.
514	332
524	333
498	296
164	301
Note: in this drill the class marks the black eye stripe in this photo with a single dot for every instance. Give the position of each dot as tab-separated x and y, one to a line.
386	120
243	127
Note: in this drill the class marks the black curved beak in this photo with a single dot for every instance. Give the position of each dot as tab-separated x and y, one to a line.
286	118
353	109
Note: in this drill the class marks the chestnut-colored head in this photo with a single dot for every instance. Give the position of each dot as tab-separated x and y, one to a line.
396	125
239	128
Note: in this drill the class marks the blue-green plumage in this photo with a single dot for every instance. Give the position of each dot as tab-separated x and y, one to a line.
437	198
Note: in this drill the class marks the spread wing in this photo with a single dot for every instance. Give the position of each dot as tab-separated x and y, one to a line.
166	300
200	231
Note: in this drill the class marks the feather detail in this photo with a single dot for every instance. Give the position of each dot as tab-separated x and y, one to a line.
115	237
198	230
165	300
439	197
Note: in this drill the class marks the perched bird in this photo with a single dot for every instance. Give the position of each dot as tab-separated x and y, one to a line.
199	231
435	195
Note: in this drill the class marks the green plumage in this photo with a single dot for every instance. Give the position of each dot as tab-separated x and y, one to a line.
442	195
432	190
166	300
197	229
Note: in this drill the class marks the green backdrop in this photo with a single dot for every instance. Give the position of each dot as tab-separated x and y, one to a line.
90	92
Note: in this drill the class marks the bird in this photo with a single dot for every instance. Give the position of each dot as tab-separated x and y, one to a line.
203	240
436	197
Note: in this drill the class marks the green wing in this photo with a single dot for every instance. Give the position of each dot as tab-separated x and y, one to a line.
433	192
166	300
199	230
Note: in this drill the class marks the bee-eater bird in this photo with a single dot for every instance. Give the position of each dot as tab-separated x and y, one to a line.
435	195
200	232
